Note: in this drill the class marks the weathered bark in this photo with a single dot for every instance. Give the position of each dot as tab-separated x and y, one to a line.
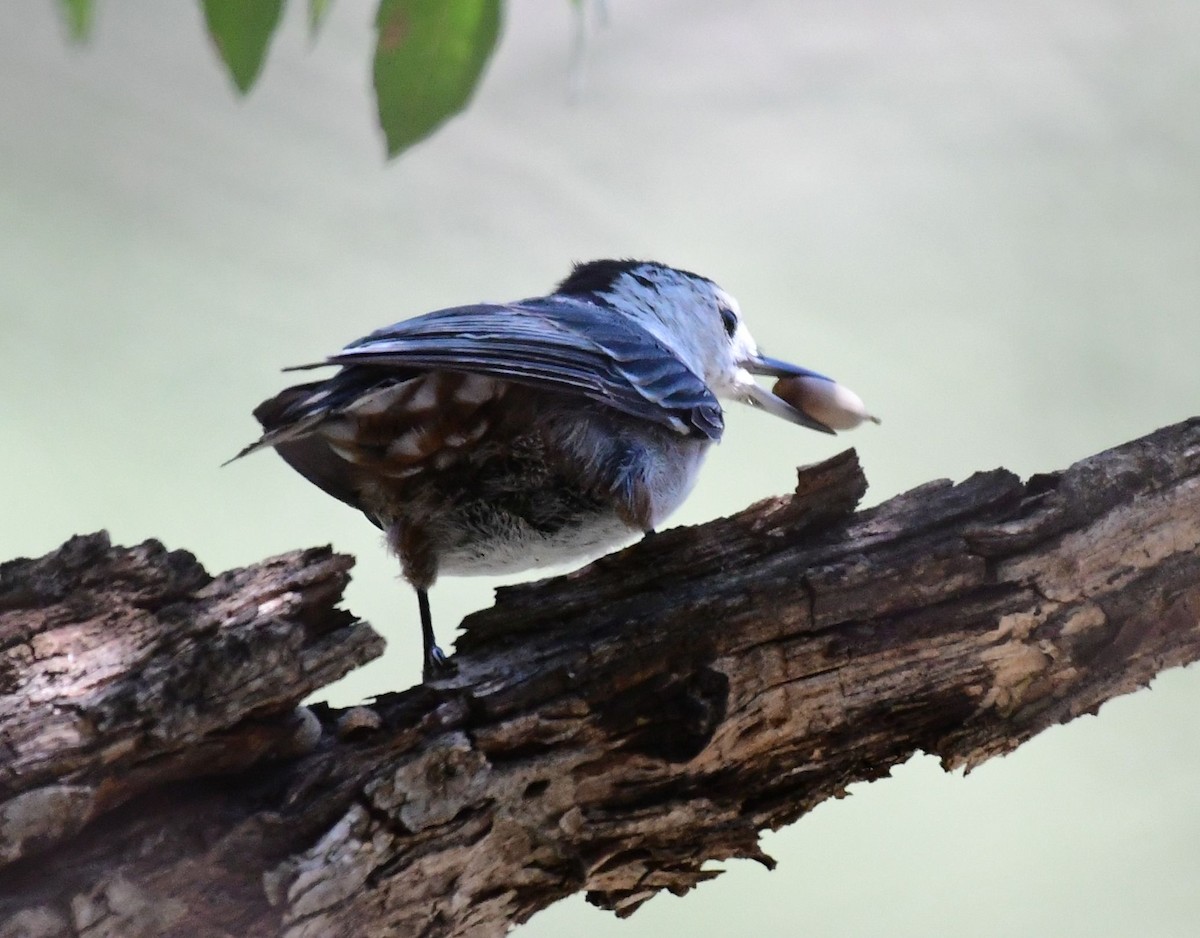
607	731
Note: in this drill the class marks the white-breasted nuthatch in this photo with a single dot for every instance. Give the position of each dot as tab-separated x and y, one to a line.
501	437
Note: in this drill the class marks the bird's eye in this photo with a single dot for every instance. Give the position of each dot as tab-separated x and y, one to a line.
729	320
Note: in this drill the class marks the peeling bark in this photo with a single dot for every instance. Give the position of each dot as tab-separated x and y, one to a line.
607	731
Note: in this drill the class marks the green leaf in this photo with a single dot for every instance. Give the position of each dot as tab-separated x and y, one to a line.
241	30
78	14
428	59
316	13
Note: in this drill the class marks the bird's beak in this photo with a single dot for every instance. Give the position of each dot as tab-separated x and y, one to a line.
758	396
804	397
762	365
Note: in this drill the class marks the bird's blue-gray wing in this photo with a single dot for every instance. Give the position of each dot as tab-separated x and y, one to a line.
555	343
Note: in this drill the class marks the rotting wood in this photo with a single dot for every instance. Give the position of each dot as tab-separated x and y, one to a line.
607	731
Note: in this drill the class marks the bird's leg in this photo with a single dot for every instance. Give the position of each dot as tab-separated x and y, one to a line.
435	663
419	564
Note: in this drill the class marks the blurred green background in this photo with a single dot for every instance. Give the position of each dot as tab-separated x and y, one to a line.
984	218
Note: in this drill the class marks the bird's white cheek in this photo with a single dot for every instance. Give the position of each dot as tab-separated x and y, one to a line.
737	385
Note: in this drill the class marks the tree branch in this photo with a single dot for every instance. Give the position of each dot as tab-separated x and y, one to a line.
607	731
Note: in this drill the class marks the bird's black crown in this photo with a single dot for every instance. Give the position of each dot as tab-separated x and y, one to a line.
600	276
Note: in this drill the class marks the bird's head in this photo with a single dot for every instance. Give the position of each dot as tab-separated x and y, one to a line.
703	326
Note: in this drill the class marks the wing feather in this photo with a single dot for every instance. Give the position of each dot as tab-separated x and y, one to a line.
557	343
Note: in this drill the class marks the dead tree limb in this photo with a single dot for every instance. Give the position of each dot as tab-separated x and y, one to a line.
607	731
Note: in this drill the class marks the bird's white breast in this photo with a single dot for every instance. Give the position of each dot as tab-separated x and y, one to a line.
668	473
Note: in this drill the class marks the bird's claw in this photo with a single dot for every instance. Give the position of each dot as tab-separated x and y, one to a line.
437	665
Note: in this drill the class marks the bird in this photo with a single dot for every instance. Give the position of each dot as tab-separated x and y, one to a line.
501	437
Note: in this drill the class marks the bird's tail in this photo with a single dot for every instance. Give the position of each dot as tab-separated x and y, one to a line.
289	415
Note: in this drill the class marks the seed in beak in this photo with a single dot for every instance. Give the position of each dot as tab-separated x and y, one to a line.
831	403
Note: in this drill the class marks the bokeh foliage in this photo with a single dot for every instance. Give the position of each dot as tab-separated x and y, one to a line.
429	54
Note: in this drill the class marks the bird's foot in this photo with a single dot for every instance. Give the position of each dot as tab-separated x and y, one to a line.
437	665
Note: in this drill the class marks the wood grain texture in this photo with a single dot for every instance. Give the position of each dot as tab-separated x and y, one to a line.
607	731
